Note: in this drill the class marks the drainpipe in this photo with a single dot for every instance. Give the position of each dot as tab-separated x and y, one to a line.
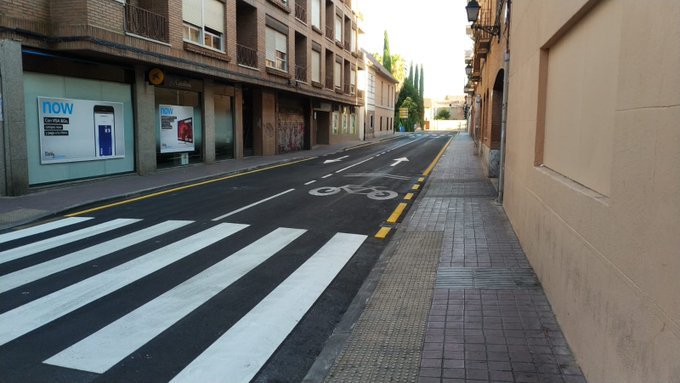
504	109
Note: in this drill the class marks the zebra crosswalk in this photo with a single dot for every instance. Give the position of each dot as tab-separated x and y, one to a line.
238	354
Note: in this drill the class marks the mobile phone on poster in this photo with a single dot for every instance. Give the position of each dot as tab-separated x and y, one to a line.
104	123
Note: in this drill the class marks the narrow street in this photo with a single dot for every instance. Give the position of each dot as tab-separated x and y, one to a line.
254	270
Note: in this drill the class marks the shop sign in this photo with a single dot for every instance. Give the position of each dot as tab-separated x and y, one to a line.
177	128
80	130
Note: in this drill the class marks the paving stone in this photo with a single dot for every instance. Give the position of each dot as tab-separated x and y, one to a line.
476	311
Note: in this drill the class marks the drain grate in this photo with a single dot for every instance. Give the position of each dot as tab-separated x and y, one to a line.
485	278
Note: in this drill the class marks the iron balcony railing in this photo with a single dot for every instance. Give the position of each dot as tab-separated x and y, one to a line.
246	56
145	23
347	45
346	88
484	18
330	32
301	73
300	12
329	82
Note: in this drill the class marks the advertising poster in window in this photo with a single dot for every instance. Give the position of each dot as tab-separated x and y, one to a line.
80	130
177	128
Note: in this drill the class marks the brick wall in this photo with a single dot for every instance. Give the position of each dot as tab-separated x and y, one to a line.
104	20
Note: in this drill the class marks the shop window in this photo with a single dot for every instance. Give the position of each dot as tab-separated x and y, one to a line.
204	23
179	129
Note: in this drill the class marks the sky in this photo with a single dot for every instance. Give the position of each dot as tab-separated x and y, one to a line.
427	32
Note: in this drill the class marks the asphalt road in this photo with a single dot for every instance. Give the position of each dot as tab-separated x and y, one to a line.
235	280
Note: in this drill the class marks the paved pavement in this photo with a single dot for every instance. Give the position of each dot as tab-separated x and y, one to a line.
451	299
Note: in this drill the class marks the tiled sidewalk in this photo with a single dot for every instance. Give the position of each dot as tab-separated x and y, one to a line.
489	320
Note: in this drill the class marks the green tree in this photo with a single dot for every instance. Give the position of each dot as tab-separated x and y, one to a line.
412	107
410	75
443	114
421	85
387	57
416	80
421	93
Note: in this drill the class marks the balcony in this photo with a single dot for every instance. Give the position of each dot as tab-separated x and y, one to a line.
246	56
300	12
346	88
300	73
482	37
329	82
330	32
146	23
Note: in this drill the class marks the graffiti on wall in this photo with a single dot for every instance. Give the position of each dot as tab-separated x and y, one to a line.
290	131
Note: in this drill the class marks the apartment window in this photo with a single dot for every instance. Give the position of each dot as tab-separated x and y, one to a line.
316	13
353	41
316	66
277	50
338	27
353	81
204	22
337	75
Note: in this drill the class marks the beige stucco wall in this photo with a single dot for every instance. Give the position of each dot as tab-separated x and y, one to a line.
609	262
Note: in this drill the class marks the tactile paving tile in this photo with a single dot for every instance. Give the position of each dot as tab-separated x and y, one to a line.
386	343
485	278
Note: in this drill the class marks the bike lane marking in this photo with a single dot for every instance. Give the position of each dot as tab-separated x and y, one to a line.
251	205
310	182
327	175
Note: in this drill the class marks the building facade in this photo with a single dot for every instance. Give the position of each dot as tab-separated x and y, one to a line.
99	87
591	175
380	96
487	81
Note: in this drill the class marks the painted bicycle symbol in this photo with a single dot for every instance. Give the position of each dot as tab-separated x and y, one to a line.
372	192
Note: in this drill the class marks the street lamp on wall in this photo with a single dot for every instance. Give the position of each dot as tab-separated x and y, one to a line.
472	9
468	69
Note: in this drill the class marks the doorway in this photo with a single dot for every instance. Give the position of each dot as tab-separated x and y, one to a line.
248	111
322	126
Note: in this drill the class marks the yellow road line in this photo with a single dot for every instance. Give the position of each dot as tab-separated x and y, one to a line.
436	159
415	187
382	233
156	194
397	212
421	179
409	196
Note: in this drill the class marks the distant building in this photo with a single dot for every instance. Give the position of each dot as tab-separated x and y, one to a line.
380	98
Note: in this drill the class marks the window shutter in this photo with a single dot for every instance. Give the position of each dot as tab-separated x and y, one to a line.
270	44
191	12
214	15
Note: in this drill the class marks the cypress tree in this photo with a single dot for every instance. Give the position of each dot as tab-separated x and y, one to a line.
416	80
421	85
409	79
387	57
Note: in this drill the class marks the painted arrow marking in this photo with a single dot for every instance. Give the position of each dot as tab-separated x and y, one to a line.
335	160
399	160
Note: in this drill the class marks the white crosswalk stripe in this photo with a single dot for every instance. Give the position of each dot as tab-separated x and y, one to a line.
108	346
240	353
41	228
42	270
26	318
46	244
